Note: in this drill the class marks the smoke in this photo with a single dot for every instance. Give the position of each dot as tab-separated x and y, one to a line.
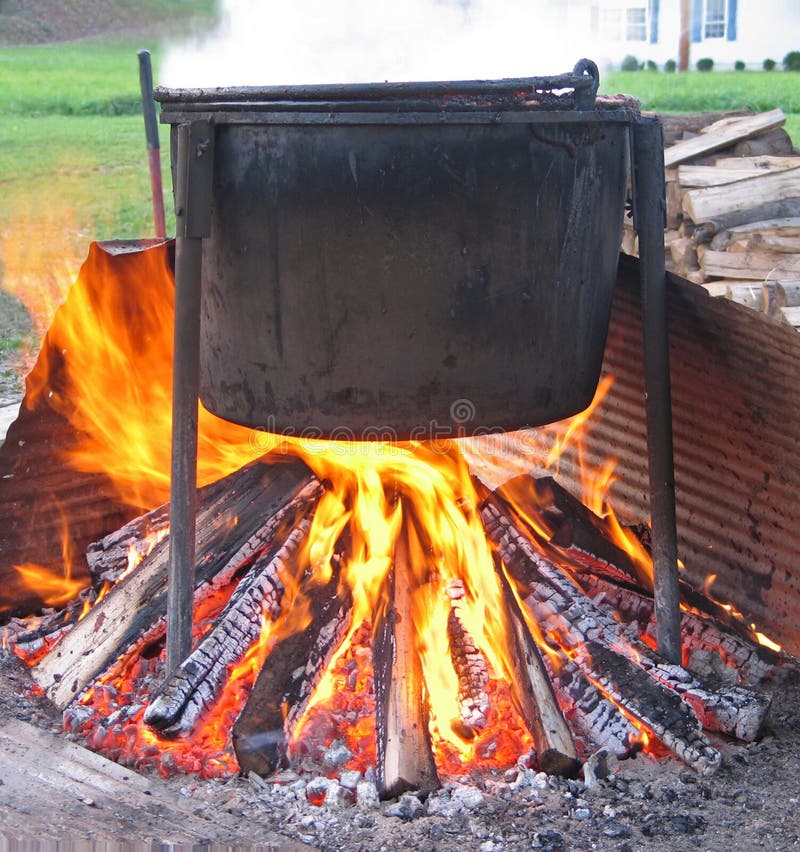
264	42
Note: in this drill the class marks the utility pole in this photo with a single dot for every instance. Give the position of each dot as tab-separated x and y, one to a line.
683	46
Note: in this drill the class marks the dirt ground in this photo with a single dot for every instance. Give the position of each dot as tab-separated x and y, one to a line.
751	802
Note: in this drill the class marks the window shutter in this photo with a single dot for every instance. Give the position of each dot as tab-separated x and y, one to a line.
594	19
697	20
731	20
653	12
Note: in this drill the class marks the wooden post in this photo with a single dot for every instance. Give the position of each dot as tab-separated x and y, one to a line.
683	45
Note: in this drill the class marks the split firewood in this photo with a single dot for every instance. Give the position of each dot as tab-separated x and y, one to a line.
754	265
787	294
769	299
286	683
773	142
718	289
404	755
782	244
769	162
198	680
696	177
723	136
747	294
683	252
786	227
786	208
687	125
139	600
714	202
791	316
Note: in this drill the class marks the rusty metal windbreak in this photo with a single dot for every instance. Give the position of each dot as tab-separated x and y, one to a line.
390	258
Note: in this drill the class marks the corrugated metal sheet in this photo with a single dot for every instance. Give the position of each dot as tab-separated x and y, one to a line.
736	423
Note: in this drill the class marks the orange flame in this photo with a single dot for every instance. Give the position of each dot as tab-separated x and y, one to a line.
760	637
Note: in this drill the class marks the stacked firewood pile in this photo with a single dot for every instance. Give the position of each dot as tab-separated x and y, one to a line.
733	209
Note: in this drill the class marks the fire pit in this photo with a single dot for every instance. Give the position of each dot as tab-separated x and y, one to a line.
379	585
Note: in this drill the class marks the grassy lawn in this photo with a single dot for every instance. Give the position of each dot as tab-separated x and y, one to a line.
712	92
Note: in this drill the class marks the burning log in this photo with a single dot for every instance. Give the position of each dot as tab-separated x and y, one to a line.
111	555
608	657
285	684
554	744
660	710
200	677
746	661
134	605
726	708
595	717
577	533
469	664
405	760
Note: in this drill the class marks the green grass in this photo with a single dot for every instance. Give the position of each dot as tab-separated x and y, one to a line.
93	169
72	139
77	78
712	92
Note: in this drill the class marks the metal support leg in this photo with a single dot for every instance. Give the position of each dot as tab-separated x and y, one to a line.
649	213
192	213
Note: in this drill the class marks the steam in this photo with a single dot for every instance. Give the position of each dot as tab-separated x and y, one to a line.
264	42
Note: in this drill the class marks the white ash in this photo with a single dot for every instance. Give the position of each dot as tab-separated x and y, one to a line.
336	755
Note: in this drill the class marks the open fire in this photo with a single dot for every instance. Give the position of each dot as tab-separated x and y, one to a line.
362	607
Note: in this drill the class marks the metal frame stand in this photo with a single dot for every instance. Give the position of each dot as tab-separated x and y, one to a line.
649	220
194	172
193	212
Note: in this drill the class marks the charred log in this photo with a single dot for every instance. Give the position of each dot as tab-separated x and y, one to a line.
199	678
557	605
139	600
598	721
659	710
285	684
745	660
572	529
559	602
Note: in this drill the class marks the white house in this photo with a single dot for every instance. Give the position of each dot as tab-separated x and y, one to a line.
727	31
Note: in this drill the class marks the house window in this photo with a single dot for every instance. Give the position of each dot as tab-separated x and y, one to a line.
636	24
714	25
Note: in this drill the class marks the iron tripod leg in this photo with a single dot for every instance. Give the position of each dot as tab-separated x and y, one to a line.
649	218
192	213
